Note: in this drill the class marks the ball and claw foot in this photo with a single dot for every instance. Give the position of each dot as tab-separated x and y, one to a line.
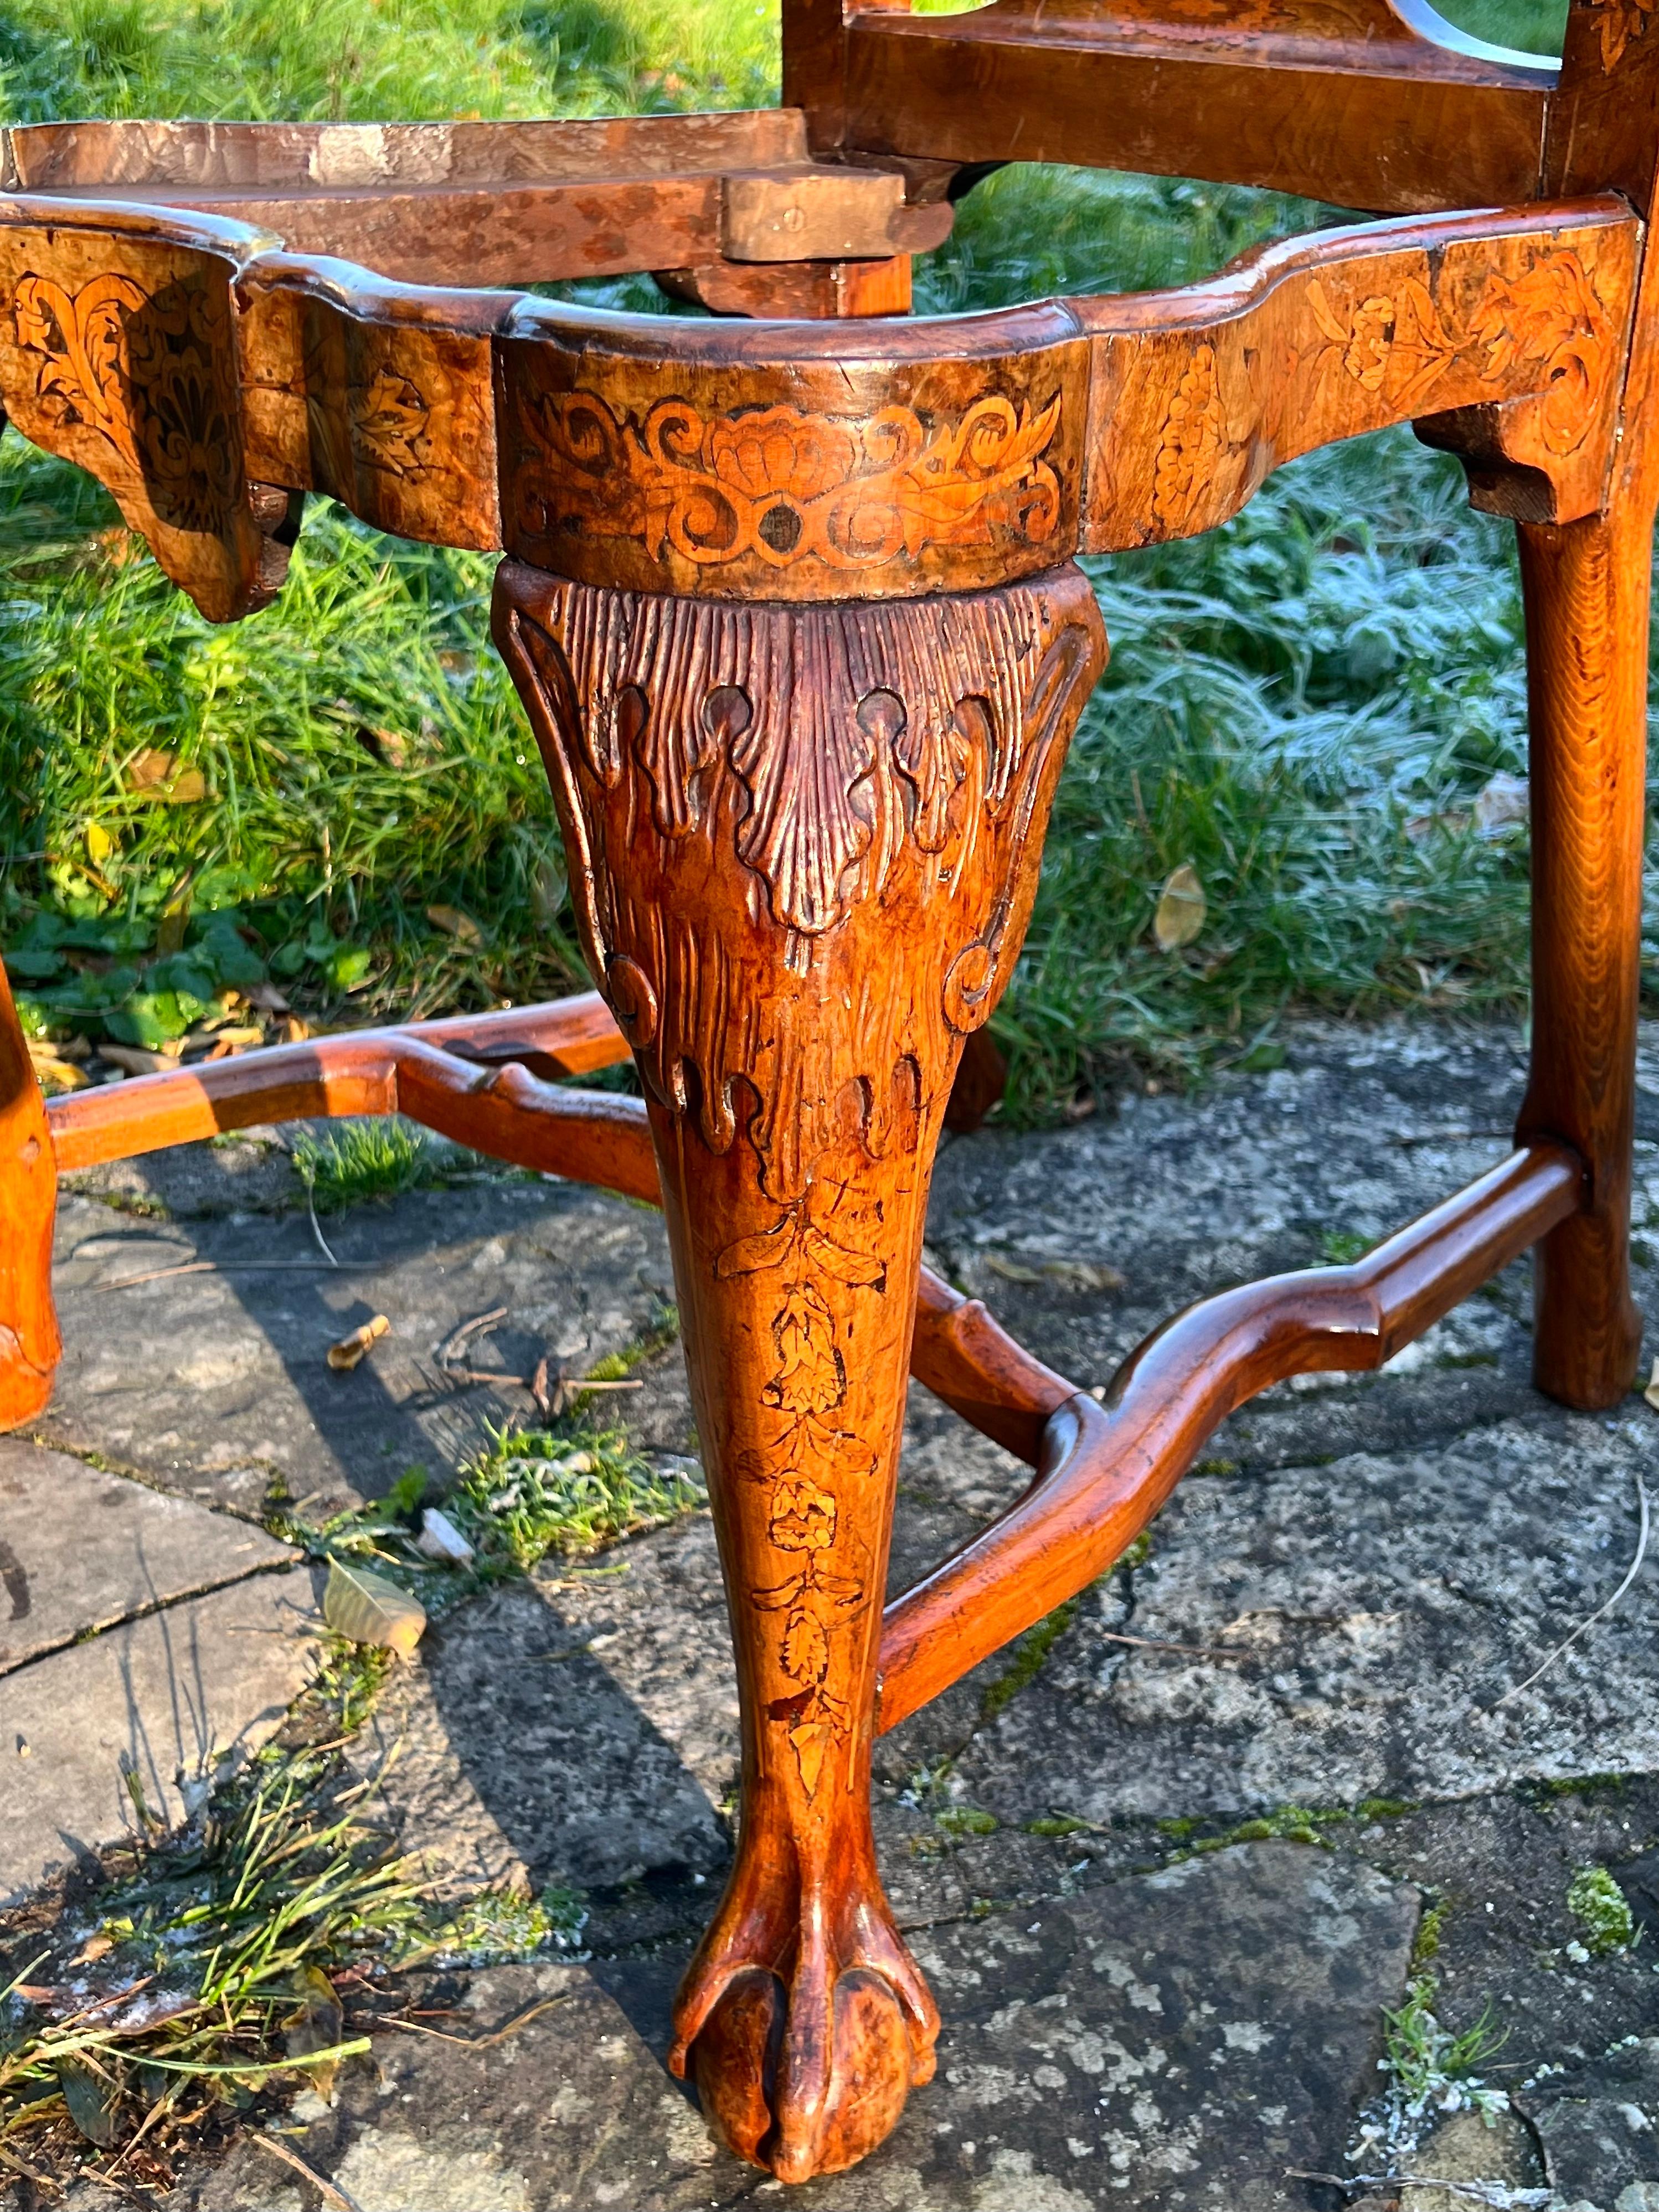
804	2041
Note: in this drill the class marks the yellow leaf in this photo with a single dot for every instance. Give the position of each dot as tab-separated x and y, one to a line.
1181	910
99	843
317	2024
367	1608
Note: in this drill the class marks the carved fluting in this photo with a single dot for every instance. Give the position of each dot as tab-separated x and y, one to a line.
803	845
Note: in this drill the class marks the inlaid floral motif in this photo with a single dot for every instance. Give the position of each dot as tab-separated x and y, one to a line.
781	486
1190	443
808	1389
147	371
1547	316
388	423
1550	314
1395	339
1621	22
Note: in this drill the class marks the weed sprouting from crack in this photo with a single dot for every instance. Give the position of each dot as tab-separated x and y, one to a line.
1432	2071
1030	1654
567	1490
534	1491
214	1973
199	1982
381	1157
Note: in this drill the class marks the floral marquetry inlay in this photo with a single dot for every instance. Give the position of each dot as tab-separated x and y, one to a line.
1548	317
781	486
147	372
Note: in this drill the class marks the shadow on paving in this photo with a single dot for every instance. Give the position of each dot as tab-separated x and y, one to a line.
1331	1608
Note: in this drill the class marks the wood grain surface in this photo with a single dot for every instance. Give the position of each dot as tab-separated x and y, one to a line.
30	1346
802	846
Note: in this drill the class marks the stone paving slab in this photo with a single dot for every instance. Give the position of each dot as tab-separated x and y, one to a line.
1170	2043
157	1696
81	1549
1388	1554
217	1384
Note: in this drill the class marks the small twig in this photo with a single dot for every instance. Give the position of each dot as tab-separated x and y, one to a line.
480	2042
19	2166
1496	2195
1157	1644
485	1375
317	1227
330	2193
1567	1642
456	1337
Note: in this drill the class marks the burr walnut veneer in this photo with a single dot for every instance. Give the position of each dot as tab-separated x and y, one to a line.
794	610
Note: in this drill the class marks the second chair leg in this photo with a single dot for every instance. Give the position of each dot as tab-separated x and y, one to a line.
29	1343
1586	589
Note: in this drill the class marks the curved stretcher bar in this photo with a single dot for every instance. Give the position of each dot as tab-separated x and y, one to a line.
1102	1471
1105	1470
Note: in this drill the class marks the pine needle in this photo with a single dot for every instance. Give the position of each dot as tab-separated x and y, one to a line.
1601	1612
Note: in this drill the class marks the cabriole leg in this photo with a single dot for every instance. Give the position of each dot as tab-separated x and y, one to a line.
804	844
1586	586
29	1343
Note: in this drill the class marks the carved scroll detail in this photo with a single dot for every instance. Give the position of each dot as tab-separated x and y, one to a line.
785	487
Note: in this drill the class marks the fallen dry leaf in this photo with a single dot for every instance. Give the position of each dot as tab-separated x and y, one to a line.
160	772
134	1060
52	1074
455	923
1652	1394
318	2024
295	1031
344	1356
268	998
367	1608
1182	908
1500	803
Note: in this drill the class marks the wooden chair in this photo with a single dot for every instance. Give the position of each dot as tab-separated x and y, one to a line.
792	609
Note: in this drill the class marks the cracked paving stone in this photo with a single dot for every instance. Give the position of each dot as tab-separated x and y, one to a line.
1599	2123
1381	1605
155	1697
80	1549
1170	2044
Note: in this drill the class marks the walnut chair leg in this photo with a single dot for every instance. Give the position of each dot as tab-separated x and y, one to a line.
29	1344
1586	588
804	843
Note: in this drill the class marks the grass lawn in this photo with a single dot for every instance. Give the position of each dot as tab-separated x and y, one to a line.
339	794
